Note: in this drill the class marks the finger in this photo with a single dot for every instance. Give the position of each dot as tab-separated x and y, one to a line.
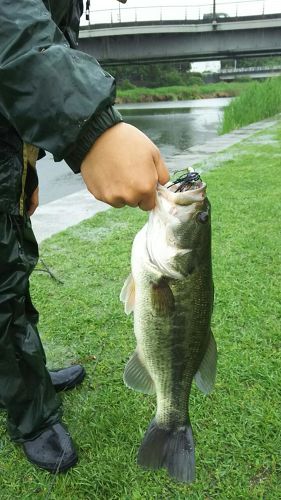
118	205
115	202
31	209
162	170
148	202
131	198
34	202
132	204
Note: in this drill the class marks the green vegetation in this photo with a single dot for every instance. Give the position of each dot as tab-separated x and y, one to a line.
237	427
174	81
260	100
179	93
166	82
153	75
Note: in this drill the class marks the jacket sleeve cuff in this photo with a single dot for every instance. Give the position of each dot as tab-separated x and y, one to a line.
98	124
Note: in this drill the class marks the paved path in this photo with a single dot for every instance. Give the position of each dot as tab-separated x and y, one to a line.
201	152
60	214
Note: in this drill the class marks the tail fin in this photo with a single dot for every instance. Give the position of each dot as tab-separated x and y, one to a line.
173	449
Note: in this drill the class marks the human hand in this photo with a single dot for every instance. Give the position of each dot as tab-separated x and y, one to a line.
33	202
123	167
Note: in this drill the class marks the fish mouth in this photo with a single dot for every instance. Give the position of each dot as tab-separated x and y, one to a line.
186	182
187	189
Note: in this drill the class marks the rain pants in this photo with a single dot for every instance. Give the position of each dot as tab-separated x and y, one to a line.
26	391
60	100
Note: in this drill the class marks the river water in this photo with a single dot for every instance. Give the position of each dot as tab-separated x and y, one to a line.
174	126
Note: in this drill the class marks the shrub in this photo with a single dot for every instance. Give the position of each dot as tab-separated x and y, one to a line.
126	85
172	78
194	80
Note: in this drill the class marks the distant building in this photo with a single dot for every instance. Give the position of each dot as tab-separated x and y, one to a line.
206	66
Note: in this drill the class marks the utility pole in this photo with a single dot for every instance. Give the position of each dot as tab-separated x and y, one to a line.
214	10
88	10
214	22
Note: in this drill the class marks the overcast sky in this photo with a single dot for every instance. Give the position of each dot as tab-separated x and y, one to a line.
111	10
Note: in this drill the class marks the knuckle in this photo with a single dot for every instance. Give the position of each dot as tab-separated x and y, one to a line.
148	187
157	153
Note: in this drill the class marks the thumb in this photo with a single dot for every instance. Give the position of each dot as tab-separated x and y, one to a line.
162	170
33	202
148	202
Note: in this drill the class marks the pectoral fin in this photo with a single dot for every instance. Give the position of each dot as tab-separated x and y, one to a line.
206	375
162	297
137	377
127	294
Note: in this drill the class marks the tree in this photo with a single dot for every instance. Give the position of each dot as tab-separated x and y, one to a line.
150	75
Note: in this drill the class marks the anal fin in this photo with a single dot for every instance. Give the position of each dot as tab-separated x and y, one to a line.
137	377
206	375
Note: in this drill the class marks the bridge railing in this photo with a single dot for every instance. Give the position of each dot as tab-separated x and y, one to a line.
250	69
233	8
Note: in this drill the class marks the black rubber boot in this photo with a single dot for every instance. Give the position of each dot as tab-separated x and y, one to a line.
67	378
53	450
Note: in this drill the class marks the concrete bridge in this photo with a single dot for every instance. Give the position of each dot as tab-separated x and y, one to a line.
177	40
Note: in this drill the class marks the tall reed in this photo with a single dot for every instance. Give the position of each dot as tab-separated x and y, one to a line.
258	101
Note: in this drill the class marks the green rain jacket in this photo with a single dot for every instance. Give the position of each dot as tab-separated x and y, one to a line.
55	97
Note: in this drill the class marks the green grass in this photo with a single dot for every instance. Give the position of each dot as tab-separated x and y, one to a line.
237	428
260	100
180	93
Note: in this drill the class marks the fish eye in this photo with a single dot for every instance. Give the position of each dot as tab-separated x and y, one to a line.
202	217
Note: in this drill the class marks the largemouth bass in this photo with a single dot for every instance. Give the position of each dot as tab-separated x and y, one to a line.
170	291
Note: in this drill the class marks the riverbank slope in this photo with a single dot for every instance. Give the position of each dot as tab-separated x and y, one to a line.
180	93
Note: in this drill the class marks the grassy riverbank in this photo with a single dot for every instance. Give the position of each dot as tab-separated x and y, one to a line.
237	428
259	101
180	93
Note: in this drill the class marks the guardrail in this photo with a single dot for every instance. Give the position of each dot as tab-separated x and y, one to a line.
250	69
219	10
